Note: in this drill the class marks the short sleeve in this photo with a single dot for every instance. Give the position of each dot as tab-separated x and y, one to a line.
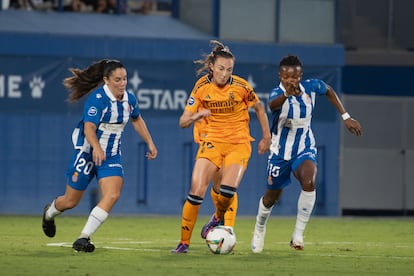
92	110
133	103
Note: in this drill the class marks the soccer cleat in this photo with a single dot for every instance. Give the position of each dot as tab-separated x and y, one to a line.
181	248
297	244
49	227
83	244
213	222
258	240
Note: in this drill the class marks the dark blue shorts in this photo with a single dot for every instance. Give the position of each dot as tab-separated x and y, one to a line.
82	169
279	170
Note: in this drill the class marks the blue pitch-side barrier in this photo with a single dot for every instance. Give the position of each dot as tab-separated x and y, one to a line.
35	142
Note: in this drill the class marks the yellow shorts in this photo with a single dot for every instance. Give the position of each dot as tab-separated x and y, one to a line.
224	154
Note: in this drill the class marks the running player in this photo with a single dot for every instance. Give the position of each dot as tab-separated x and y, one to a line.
97	141
293	146
224	100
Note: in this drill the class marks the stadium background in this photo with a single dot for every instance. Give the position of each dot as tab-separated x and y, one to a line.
371	70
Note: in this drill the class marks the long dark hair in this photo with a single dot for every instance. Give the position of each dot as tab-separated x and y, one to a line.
85	80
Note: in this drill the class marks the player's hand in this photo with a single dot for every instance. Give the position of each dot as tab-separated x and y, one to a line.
264	145
152	153
293	89
203	113
98	156
353	126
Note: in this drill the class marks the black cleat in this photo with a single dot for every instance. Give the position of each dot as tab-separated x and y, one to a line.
83	244
49	227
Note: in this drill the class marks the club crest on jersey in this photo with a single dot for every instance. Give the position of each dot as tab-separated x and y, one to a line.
92	111
75	177
191	101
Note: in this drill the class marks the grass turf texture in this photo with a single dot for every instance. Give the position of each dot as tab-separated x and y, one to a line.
142	245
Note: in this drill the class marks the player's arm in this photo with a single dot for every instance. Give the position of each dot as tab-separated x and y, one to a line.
188	117
264	143
352	125
98	155
277	99
141	128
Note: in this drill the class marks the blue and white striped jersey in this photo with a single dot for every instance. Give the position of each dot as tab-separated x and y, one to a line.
109	115
291	124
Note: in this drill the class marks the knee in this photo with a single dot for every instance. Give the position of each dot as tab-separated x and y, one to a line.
268	201
113	197
271	197
70	203
308	186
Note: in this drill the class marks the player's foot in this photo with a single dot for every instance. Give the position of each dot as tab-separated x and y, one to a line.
213	222
181	248
258	240
83	244
49	227
297	243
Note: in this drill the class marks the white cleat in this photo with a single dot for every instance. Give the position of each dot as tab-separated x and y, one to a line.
258	241
297	243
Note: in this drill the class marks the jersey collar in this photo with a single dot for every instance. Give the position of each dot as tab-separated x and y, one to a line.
229	82
111	96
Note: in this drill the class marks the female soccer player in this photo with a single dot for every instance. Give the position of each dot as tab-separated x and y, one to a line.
293	145
97	140
223	100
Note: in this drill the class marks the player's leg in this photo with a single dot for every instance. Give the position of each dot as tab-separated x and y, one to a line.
306	174
111	188
214	193
215	189
230	215
231	212
225	198
232	176
67	201
278	177
202	174
110	181
79	174
266	203
234	165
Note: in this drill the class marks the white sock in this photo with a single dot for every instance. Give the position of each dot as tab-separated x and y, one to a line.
305	206
96	218
52	211
262	217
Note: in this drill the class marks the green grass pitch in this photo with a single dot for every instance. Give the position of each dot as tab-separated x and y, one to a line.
141	245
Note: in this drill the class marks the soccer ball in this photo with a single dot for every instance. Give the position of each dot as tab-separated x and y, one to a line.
221	240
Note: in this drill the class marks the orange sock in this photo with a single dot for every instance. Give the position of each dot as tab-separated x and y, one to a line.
222	205
231	212
214	197
188	220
